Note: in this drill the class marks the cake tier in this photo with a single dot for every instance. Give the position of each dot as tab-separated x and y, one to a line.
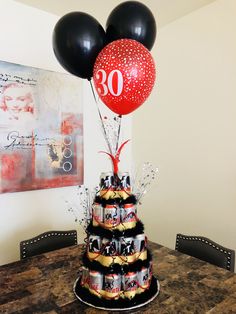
123	302
117	285
115	213
117	248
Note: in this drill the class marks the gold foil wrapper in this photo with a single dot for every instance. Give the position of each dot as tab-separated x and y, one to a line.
110	194
108	260
121	226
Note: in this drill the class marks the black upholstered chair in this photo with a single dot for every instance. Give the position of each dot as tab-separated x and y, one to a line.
206	250
47	241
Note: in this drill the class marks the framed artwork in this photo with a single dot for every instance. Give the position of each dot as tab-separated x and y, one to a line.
41	129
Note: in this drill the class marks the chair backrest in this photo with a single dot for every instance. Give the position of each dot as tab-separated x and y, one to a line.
47	241
206	250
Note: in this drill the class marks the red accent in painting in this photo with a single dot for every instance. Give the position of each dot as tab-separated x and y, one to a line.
70	124
10	165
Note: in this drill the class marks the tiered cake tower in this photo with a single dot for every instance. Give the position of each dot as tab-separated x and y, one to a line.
117	265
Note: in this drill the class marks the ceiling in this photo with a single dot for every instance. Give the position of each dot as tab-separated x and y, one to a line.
165	11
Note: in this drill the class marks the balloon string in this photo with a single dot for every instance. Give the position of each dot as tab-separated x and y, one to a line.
118	136
100	116
94	96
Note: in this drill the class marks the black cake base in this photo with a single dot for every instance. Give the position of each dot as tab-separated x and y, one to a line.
139	300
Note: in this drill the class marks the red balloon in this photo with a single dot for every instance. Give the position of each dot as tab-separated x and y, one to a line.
124	75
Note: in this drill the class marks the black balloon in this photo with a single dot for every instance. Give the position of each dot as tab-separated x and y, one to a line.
133	20
77	40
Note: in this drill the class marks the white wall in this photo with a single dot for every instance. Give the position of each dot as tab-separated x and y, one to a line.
25	38
188	128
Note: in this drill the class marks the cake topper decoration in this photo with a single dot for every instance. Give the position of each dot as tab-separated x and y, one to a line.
116	159
142	181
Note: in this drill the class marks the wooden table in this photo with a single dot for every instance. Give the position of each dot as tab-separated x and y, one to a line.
43	284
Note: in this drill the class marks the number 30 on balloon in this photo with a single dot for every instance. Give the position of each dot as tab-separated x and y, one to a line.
112	83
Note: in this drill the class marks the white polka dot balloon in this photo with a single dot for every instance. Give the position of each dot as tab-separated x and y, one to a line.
124	75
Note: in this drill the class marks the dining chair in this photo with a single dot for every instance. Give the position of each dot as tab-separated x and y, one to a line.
47	241
206	250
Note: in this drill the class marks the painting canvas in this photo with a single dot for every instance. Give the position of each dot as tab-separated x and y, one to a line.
41	129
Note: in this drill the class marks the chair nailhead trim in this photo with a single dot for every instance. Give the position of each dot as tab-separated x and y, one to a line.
207	242
24	244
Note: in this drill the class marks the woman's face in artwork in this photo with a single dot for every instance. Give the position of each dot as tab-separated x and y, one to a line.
18	99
